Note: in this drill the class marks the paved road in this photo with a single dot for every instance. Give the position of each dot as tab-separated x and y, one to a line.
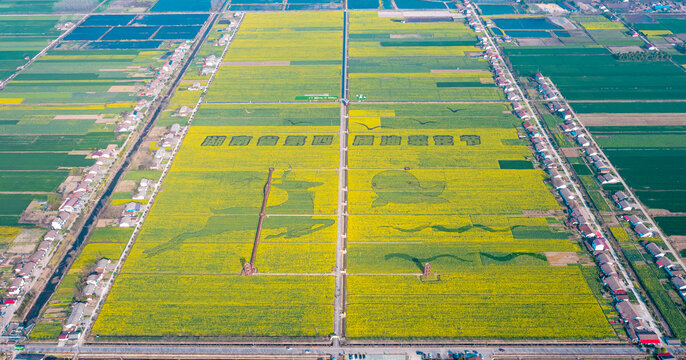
645	314
339	310
488	352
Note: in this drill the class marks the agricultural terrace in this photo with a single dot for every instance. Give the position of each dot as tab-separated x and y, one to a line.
201	230
282	57
432	183
643	135
391	60
61	108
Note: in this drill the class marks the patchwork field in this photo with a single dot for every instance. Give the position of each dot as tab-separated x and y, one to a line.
634	109
282	57
446	183
208	239
391	60
439	195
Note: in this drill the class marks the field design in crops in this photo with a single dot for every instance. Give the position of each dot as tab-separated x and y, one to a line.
449	183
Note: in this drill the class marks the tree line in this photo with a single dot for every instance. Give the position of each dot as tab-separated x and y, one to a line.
643	56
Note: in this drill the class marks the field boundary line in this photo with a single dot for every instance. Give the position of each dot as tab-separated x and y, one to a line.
156	189
575	187
619	177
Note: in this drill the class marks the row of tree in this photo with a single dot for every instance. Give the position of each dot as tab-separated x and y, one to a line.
643	56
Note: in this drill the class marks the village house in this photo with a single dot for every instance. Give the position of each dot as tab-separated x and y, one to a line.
132	208
37	256
195	87
101	265
27	269
554	173
586	231
88	292
642	231
626	311
590	151
608	270
141	104
566	194
60	220
598	245
625	205
74	319
70	204
607	179
616	289
582	140
604	258
558	183
50	235
632	219
44	245
93	279
184	111
665	263
15	286
679	282
654	249
126	221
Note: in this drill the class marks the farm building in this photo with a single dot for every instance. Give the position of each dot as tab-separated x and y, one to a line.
642	231
74	319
